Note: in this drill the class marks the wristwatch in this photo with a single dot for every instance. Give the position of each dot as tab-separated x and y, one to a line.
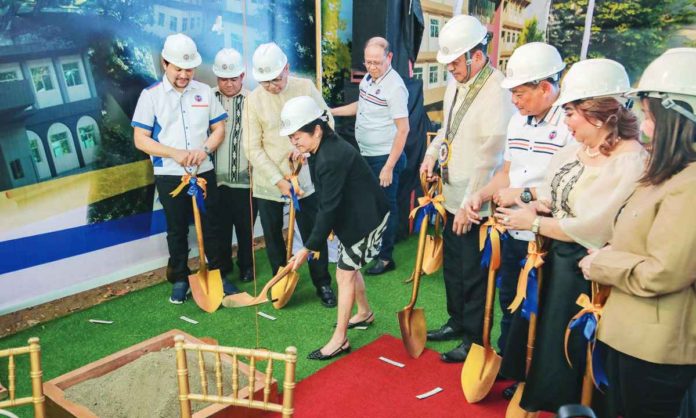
526	195
207	150
536	224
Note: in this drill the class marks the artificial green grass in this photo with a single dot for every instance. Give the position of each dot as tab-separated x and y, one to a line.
71	342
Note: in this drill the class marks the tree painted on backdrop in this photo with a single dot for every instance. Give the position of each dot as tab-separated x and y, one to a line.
336	58
632	32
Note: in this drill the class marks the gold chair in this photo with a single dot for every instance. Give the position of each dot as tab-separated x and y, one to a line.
37	396
185	397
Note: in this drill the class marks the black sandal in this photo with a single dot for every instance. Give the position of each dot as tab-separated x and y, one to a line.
364	323
317	354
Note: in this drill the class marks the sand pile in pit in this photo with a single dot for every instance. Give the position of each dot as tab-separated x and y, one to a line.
147	387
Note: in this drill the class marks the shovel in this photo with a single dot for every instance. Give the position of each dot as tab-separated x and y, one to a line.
482	363
241	300
206	285
283	290
412	321
434	245
514	410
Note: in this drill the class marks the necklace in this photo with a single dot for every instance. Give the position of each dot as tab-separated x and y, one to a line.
589	153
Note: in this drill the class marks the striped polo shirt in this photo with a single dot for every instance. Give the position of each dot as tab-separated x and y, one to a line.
380	102
529	148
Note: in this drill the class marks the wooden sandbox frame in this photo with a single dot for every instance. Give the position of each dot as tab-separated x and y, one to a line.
57	406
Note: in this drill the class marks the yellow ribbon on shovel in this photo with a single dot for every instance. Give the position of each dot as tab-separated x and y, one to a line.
588	308
185	180
535	259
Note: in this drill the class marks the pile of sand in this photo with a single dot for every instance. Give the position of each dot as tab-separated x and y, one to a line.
147	387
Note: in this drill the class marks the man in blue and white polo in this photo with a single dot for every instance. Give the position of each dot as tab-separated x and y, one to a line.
171	123
381	128
534	135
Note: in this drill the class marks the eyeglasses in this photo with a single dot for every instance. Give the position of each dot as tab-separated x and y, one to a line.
276	81
373	63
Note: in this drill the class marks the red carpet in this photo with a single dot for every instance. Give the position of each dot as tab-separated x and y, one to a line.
361	385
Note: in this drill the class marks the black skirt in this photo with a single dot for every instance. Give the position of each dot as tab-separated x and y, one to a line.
551	382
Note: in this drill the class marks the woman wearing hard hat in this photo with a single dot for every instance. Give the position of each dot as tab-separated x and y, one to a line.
585	188
351	203
649	321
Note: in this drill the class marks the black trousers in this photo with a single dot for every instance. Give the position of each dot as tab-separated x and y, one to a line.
514	251
178	213
236	212
271	213
465	281
641	389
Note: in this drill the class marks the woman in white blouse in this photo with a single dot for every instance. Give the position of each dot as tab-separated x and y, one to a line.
585	187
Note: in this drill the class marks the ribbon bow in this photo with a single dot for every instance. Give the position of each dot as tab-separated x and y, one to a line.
428	205
490	235
527	283
197	189
587	319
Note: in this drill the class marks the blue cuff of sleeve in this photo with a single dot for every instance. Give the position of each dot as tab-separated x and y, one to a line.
141	125
223	116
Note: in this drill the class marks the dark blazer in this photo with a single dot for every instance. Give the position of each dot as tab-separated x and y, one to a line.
351	201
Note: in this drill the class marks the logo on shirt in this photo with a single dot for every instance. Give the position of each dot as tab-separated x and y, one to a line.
198	98
378	91
553	134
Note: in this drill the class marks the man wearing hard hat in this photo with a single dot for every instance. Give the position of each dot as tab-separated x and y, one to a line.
171	123
269	152
469	147
536	132
238	213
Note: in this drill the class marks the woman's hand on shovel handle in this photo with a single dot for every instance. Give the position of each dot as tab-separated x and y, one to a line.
299	259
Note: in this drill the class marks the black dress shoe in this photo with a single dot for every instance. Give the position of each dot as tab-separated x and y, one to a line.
326	294
381	266
509	391
317	355
444	333
457	355
247	276
364	323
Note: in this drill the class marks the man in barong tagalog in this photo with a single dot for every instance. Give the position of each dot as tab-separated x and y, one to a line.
468	148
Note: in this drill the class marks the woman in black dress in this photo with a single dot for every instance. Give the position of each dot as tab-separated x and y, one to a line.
351	204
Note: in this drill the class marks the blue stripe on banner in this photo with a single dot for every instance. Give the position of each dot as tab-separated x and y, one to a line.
52	246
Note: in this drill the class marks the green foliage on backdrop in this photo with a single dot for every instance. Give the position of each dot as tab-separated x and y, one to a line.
531	32
336	57
632	32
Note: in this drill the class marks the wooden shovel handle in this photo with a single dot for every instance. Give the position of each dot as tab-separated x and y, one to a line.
199	235
418	268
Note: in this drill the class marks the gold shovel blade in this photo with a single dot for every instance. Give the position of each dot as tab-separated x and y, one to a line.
241	300
514	410
282	291
479	372
413	330
206	288
432	254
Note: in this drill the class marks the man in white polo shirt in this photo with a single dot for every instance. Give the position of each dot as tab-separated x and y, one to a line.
171	123
268	153
238	213
381	128
534	135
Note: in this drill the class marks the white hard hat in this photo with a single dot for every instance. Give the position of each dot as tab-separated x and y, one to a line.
591	78
530	62
671	76
228	63
297	112
268	61
181	51
458	36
